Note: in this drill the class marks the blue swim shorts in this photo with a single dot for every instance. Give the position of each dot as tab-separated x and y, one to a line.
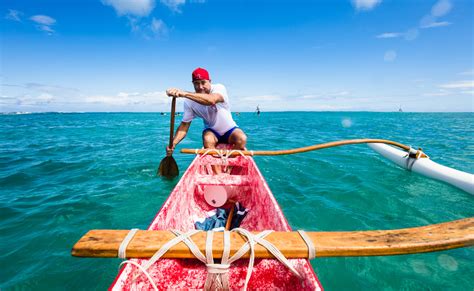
221	138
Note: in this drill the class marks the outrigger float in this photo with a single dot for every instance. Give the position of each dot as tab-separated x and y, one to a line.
264	252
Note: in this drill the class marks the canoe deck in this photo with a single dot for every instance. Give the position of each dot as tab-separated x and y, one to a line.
186	202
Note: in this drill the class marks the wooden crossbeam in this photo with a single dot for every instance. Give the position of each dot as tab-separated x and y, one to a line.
430	238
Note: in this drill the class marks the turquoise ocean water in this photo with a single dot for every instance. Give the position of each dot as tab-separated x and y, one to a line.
63	174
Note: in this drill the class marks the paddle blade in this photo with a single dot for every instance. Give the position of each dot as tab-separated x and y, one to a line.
168	168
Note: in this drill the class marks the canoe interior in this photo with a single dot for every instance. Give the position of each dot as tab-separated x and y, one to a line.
186	202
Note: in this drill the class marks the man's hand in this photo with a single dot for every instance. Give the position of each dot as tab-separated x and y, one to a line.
169	151
175	92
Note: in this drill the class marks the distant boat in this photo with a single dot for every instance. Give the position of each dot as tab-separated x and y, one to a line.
257	110
400	109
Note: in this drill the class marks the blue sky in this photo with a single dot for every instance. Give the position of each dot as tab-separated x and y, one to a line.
119	55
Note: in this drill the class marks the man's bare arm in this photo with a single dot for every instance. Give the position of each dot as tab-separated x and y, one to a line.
179	136
201	98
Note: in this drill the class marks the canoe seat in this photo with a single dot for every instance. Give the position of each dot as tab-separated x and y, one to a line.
223	179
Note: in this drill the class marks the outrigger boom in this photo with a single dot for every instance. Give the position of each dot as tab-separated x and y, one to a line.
435	237
410	159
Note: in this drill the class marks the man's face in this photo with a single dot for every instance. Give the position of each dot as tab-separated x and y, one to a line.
202	86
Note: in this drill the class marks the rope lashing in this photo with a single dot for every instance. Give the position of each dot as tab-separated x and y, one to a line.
224	155
217	274
413	155
123	246
141	269
309	243
122	255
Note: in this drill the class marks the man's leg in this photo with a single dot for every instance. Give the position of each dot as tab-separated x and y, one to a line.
238	139
209	141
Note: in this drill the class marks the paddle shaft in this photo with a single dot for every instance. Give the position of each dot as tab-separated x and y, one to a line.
168	167
173	108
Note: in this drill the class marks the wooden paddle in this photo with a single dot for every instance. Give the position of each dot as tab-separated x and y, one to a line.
168	167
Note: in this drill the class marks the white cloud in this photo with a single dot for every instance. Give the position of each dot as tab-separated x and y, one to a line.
390	56
13	15
411	34
138	8
456	88
174	5
158	28
436	24
365	4
260	98
45	98
441	8
154	29
28	100
458	85
326	96
438	93
43	20
467	73
44	23
135	11
390	35
129	99
46	28
429	21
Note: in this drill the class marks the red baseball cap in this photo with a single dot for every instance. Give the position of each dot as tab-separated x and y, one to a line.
200	74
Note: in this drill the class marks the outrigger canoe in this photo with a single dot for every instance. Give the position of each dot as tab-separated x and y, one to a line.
245	184
178	267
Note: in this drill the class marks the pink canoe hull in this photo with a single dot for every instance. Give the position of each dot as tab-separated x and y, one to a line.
186	202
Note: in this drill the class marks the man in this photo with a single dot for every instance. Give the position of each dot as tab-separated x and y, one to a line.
211	103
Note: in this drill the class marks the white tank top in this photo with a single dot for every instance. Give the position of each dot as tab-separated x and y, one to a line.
217	117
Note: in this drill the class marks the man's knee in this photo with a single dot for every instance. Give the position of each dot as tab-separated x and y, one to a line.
209	139
240	140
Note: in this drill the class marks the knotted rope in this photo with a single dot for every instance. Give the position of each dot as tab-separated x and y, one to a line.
413	155
217	274
224	155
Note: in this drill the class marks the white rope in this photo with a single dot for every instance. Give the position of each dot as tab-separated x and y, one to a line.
123	246
206	152
142	269
229	153
217	274
250	244
212	271
411	158
309	243
179	238
225	260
